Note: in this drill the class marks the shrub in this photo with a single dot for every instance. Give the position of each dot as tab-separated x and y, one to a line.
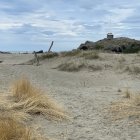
132	48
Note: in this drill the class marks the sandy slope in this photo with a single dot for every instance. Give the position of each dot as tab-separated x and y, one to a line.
84	94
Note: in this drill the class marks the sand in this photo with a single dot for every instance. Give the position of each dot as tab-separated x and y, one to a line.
86	95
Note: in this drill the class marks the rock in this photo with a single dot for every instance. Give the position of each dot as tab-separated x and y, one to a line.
87	45
41	51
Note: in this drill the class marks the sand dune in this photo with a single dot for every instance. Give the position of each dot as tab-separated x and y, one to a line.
87	94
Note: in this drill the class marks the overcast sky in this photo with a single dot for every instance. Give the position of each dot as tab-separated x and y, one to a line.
33	24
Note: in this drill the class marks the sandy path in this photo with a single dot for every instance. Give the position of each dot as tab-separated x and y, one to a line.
84	94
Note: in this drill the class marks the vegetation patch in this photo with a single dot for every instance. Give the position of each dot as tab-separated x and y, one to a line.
31	100
128	107
13	130
94	67
121	60
90	55
132	48
70	53
72	66
48	55
133	69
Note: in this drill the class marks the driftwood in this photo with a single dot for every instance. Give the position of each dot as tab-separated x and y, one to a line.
50	46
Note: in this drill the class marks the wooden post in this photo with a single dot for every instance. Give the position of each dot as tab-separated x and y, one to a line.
36	58
50	46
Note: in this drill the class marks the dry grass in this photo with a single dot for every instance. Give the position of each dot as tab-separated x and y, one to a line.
94	67
72	66
78	53
76	65
133	69
121	60
48	55
127	94
120	63
31	100
70	53
13	130
6	109
129	107
90	55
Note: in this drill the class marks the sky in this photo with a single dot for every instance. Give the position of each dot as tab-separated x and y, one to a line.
28	25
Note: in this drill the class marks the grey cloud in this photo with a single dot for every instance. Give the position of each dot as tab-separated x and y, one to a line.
25	29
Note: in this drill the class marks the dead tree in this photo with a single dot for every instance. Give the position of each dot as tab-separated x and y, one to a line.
50	47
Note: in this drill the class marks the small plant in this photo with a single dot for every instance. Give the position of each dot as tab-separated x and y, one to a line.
127	94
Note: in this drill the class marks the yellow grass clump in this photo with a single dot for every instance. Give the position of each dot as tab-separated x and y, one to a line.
31	100
13	130
12	122
6	109
129	107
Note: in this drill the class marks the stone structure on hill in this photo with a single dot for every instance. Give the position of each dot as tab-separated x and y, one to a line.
110	36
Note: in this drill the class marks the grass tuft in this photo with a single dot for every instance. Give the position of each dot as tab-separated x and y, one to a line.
13	130
72	66
48	55
127	94
6	109
70	53
133	69
90	55
129	108
31	100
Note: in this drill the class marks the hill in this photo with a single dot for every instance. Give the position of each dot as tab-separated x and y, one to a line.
121	44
